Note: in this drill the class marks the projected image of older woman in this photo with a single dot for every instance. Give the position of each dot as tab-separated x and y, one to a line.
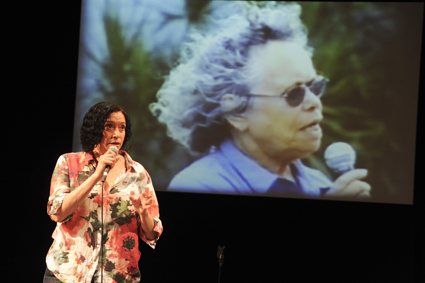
247	97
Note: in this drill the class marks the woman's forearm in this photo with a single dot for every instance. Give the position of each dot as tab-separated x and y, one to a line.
75	198
148	225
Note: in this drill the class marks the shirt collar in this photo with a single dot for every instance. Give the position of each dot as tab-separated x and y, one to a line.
261	179
88	158
129	163
257	176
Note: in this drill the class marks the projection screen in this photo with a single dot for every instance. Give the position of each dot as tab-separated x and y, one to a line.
139	54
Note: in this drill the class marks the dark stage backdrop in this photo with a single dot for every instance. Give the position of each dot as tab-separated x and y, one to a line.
267	240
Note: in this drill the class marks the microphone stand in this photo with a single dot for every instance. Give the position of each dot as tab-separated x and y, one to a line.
105	173
101	236
220	256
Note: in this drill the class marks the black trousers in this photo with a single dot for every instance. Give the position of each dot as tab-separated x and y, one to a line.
49	277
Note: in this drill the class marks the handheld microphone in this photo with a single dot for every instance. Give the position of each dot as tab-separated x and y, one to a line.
114	149
340	157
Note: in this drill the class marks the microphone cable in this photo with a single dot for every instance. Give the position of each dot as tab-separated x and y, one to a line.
115	150
101	235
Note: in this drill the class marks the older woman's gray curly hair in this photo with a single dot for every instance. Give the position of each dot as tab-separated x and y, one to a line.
214	64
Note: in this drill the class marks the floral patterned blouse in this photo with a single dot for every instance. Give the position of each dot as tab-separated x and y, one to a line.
75	253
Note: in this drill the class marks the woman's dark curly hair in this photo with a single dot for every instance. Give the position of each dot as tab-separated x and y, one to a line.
91	132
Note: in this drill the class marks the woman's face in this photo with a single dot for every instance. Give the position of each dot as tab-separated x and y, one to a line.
113	134
277	128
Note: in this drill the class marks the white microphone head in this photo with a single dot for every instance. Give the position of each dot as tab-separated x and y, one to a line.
114	149
340	157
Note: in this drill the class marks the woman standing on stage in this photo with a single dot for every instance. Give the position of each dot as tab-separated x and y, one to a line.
87	248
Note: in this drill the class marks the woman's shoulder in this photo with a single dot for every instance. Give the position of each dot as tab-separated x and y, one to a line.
207	174
209	163
71	156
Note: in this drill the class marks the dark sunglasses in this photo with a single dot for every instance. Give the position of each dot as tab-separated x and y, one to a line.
295	95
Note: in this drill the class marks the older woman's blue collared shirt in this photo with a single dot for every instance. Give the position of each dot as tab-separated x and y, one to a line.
228	171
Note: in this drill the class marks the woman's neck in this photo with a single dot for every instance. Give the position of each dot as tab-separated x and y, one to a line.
276	165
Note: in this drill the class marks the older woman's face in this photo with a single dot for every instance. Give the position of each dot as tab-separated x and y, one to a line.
114	132
277	128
